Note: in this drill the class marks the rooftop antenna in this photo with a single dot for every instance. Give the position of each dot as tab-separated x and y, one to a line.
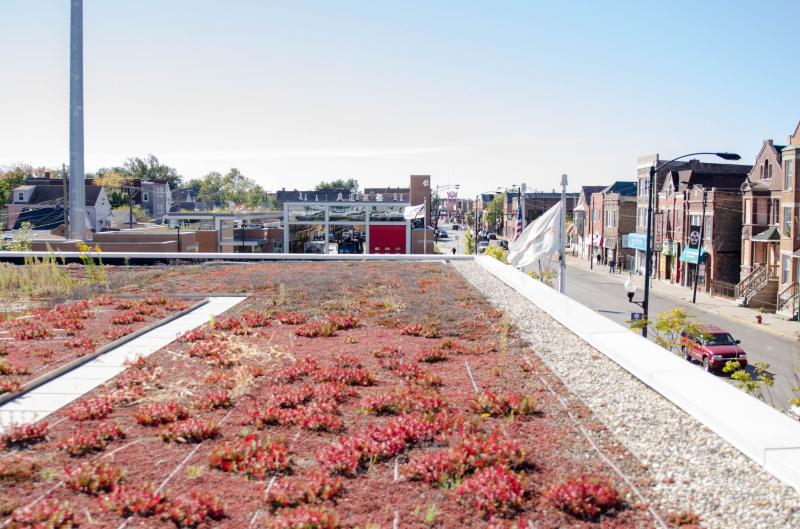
77	190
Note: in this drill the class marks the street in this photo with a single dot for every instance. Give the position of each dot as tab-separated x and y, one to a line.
606	295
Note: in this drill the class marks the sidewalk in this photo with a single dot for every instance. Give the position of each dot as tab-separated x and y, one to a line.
719	306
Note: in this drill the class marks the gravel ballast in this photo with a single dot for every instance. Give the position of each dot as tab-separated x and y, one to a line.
694	469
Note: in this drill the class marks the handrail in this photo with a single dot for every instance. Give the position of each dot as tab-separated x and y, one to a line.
788	298
753	283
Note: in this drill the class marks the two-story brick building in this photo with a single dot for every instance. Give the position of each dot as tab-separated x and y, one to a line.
619	219
581	218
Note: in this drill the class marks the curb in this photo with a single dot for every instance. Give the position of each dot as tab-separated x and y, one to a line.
69	366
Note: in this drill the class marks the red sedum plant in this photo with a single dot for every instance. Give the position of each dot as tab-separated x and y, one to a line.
313	488
18	467
190	431
46	514
195	509
253	456
90	409
585	497
135	500
96	439
22	435
93	478
494	490
503	404
158	413
305	518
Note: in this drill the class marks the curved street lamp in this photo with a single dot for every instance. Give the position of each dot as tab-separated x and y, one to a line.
649	252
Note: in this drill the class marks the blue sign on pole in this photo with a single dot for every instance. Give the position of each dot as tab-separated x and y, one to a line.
637	241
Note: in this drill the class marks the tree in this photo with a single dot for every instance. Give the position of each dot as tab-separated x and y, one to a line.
11	177
151	168
494	211
351	184
232	187
669	326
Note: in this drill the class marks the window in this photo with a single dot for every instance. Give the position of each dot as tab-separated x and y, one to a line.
709	223
788	174
746	212
787	221
776	211
785	261
146	197
21	196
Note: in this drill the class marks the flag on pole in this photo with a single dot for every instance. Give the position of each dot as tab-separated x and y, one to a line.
538	240
414	212
518	228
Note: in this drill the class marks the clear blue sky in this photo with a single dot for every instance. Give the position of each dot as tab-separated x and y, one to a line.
482	93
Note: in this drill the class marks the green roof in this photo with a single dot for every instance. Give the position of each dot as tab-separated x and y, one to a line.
770	234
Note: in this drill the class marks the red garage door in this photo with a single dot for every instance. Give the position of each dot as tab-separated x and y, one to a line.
387	239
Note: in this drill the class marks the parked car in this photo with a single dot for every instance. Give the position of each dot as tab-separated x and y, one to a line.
492	235
442	234
713	349
482	245
456	227
503	244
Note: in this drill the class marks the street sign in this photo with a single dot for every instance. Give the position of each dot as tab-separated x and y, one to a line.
658	232
636	316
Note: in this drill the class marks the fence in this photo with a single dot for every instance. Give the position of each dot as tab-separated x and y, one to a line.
723	289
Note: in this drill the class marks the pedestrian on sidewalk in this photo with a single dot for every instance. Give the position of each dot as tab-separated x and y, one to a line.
619	266
611	264
598	258
454	251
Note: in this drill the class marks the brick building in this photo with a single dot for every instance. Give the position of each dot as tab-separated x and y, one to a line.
619	219
770	267
581	217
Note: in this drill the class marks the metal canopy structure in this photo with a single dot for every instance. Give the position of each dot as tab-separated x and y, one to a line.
344	213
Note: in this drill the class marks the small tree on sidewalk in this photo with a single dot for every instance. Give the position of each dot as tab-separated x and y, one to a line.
668	327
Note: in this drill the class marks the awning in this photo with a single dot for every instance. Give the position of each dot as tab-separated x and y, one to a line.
610	243
768	235
637	241
689	255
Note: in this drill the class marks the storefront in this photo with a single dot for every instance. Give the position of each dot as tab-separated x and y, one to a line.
638	242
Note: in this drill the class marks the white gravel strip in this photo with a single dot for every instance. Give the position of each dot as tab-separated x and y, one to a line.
695	470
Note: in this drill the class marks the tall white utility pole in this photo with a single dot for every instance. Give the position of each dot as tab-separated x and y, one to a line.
562	272
77	191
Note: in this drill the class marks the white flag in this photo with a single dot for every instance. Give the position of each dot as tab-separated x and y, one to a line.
540	239
414	212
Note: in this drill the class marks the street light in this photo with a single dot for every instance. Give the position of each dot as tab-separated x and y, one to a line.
649	252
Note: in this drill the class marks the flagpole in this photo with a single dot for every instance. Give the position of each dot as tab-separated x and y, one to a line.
563	264
425	227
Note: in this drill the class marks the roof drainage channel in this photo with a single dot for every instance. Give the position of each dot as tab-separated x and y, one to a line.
57	393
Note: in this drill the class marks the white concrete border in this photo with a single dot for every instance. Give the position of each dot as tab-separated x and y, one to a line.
243	256
54	395
759	431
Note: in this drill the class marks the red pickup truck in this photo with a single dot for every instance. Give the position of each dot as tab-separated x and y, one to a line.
713	349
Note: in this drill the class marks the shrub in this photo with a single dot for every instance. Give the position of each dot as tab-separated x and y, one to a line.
497	252
490	403
159	413
213	400
254	318
90	409
346	376
313	488
431	355
22	435
195	335
196	508
29	330
135	500
585	497
82	442
342	322
18	467
46	514
9	386
93	478
494	490
251	456
314	329
305	518
190	431
291	318
115	333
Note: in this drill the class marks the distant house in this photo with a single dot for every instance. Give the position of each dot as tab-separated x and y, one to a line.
153	196
41	201
184	200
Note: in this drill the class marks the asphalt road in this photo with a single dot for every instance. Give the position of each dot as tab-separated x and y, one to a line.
607	296
454	238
